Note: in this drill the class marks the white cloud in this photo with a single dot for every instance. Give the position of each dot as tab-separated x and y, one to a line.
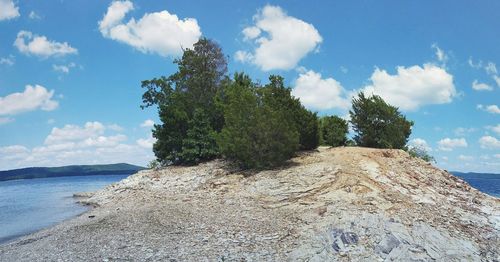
495	129
481	86
497	80
7	60
465	158
463	131
448	144
63	68
243	56
8	10
160	32
74	144
33	98
320	93
281	40
413	87
146	142
491	68
493	109
440	54
74	132
30	44
33	15
489	142
421	144
115	127
5	120
148	123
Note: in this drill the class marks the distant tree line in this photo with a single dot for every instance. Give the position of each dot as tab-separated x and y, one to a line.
206	114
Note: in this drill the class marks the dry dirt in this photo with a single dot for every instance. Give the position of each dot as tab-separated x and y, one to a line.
340	204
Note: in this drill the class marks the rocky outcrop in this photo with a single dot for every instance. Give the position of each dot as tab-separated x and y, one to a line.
344	204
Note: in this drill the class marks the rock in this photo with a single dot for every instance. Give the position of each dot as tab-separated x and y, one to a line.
388	243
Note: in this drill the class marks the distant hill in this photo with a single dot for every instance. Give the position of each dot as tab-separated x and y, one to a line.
472	175
81	170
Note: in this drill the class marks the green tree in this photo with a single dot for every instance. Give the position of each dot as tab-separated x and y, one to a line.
297	117
201	73
258	133
333	131
419	152
378	124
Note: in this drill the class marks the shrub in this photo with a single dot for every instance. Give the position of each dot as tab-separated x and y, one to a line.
334	131
378	124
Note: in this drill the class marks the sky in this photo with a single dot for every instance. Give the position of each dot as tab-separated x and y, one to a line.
70	71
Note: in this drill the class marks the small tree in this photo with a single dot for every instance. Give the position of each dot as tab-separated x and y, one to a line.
333	131
378	124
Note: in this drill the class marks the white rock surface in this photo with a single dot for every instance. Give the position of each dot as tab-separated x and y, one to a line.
341	204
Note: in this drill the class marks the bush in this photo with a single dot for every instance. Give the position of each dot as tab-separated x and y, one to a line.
420	153
333	131
378	124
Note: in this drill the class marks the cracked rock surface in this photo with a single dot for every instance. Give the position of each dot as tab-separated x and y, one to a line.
339	204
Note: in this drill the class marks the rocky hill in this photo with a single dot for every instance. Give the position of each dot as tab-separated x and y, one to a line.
344	204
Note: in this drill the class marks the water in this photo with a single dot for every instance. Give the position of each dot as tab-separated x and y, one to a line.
490	186
32	204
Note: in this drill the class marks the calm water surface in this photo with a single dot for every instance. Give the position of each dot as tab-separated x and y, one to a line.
31	204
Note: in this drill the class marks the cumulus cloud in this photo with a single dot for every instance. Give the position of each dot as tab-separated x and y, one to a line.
281	40
160	32
493	109
32	98
148	123
320	93
448	144
413	87
489	142
8	10
31	44
481	86
75	144
421	144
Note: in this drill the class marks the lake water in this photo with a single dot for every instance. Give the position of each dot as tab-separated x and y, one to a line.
29	205
490	186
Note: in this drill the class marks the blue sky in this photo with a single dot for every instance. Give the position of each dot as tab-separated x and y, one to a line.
70	71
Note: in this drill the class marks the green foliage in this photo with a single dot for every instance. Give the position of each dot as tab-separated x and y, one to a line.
420	153
258	132
201	73
199	143
378	124
333	131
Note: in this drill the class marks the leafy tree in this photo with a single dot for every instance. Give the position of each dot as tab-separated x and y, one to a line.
201	72
378	124
334	131
257	133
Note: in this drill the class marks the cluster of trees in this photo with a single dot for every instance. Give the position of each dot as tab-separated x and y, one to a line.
206	114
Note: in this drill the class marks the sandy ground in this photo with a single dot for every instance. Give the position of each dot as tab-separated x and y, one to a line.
340	204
